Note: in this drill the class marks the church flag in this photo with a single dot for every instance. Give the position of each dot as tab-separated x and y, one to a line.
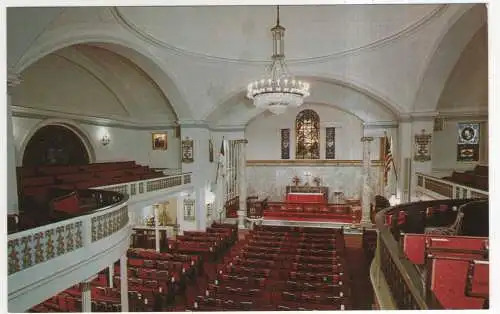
388	161
220	163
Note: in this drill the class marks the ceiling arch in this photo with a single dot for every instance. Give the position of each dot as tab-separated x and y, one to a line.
449	47
112	38
345	96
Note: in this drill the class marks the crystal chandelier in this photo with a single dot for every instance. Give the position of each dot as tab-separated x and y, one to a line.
279	89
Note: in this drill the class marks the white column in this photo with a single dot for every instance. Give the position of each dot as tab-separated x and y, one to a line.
86	296
13	80
124	283
366	191
111	274
157	223
242	182
180	213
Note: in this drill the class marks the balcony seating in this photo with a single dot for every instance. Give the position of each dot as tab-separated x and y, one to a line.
477	178
448	279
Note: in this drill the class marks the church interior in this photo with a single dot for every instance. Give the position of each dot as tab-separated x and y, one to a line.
247	158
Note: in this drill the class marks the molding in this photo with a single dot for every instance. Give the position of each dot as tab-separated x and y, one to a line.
381	125
315	162
33	113
404	33
480	113
13	80
418	116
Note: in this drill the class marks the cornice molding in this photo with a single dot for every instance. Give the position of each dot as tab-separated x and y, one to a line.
315	162
381	125
405	32
418	116
480	113
13	80
32	113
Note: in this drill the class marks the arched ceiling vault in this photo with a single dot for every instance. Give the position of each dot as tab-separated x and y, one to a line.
238	110
91	81
201	57
449	47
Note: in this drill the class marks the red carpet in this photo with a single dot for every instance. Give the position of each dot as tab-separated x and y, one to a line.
281	217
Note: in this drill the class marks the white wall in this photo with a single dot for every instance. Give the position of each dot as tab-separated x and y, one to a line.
444	148
264	135
126	143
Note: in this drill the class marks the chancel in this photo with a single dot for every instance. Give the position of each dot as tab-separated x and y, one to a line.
175	158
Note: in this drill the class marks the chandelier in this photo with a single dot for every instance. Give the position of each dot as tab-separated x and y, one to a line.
279	90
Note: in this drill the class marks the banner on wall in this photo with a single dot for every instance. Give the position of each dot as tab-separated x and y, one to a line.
468	142
285	143
330	143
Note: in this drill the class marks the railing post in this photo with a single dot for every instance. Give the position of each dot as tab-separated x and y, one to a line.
86	296
124	283
87	231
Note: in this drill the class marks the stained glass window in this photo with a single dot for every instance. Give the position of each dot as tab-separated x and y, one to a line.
307	131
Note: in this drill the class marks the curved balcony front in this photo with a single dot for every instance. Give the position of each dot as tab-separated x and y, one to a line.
46	260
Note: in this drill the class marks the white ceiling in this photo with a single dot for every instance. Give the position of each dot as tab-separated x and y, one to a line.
379	62
243	32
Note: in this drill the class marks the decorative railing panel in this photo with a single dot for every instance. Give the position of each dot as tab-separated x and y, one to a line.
35	246
398	280
136	188
448	189
107	224
38	245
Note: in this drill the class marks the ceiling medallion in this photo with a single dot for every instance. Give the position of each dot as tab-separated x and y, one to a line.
279	90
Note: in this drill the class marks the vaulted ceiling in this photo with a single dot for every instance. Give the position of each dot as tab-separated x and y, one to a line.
378	62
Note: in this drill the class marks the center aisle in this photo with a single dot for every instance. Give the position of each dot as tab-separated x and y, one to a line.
275	268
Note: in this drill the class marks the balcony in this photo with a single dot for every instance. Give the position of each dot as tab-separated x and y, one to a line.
400	284
45	260
142	190
442	189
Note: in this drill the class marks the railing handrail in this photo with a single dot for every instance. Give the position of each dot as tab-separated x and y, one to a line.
141	181
451	183
408	272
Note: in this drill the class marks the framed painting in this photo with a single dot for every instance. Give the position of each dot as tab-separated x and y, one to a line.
159	141
187	151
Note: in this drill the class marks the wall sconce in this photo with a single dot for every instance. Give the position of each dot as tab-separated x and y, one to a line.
105	140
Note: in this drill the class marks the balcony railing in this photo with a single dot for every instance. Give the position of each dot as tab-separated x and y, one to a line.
41	256
446	189
143	188
394	277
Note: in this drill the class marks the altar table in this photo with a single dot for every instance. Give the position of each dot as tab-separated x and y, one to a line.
297	197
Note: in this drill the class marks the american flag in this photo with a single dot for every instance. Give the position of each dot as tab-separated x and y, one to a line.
388	160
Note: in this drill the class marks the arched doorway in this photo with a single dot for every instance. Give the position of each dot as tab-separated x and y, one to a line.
55	145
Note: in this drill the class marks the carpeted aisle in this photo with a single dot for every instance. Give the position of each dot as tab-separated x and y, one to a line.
359	268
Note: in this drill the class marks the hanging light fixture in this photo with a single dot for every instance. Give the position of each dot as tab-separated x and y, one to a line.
279	90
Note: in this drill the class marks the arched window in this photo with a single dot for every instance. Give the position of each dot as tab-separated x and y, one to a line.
307	135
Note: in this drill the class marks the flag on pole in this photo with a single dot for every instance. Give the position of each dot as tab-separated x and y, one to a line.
388	160
220	163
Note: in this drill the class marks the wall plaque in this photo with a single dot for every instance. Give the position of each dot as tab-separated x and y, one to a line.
187	151
330	143
422	147
468	142
285	143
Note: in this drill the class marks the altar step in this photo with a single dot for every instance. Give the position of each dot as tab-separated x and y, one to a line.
348	229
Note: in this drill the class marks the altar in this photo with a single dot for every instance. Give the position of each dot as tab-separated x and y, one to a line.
307	194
